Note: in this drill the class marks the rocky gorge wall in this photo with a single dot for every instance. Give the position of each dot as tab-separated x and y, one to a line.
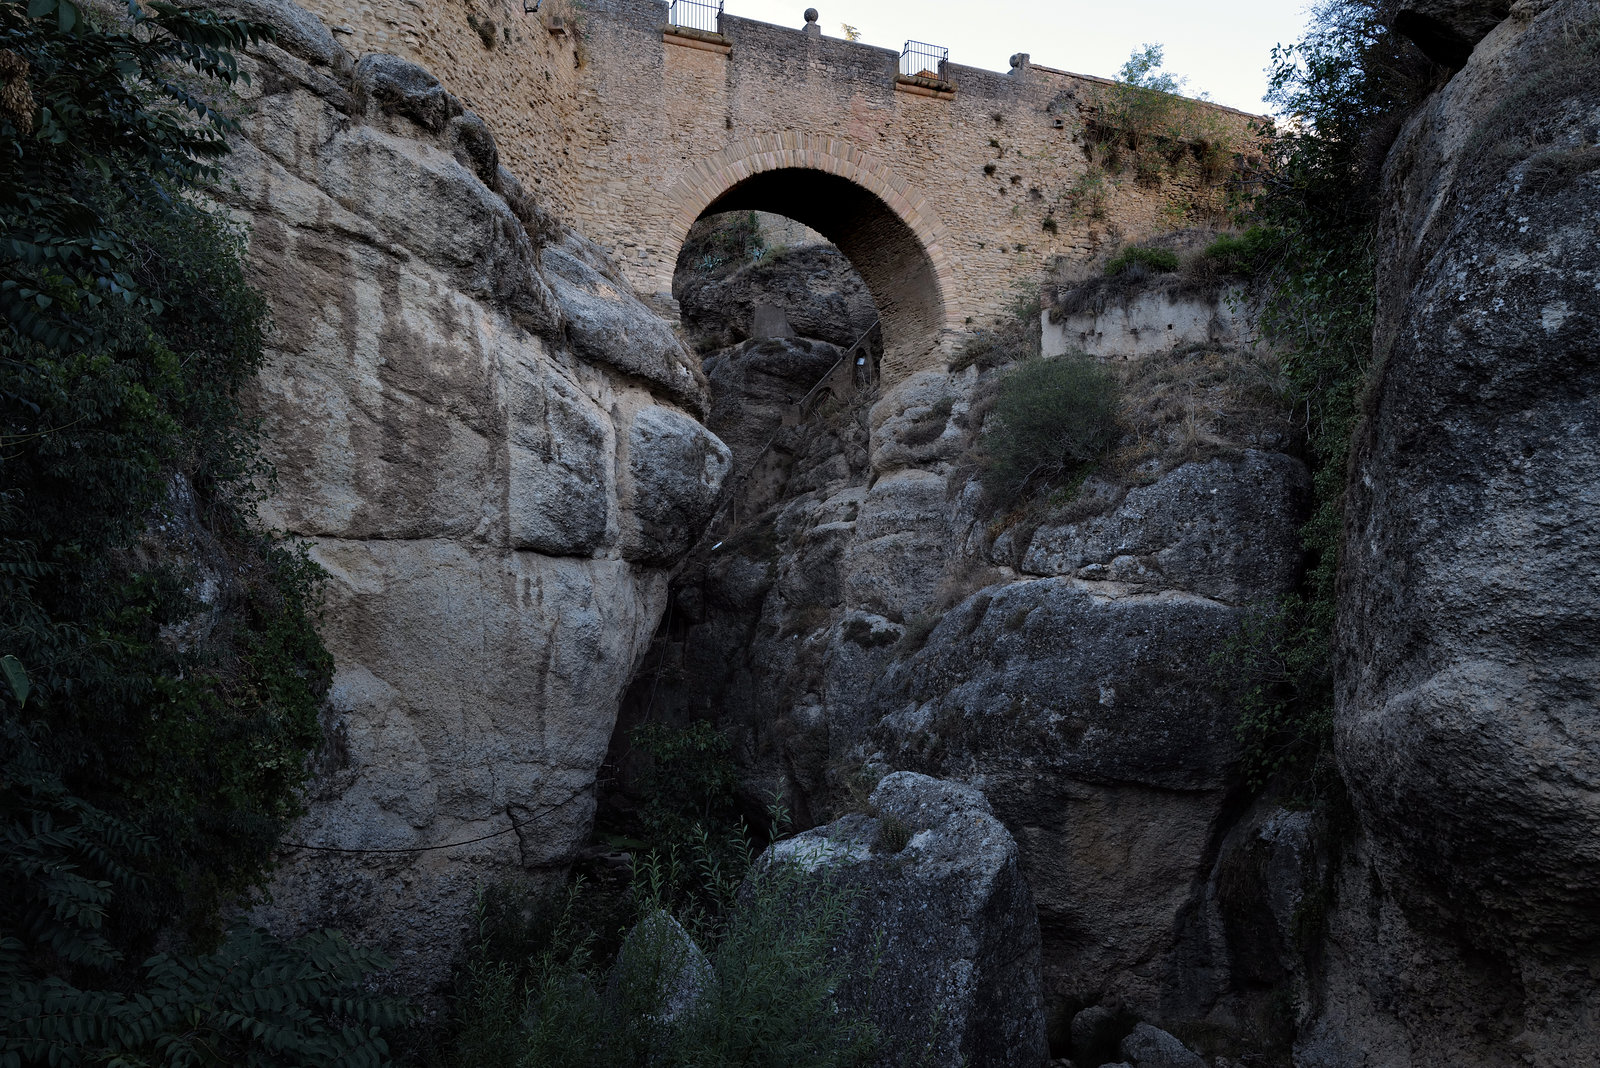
505	461
1064	664
1469	615
495	452
857	609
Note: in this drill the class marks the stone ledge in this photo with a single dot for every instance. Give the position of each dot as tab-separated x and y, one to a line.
916	86
692	38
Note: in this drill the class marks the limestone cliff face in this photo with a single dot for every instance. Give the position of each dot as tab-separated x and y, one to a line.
857	610
1470	608
495	451
820	294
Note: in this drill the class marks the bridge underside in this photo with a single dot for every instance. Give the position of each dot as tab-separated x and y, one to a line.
881	246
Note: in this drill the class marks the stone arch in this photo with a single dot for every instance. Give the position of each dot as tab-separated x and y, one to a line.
884	226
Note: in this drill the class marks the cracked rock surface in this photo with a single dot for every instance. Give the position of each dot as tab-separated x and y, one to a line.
1469	617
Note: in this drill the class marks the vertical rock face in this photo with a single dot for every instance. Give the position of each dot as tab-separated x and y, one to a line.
1469	617
1448	30
492	447
1084	697
813	287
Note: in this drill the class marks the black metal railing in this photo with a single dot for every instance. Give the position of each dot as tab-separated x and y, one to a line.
696	15
918	59
729	513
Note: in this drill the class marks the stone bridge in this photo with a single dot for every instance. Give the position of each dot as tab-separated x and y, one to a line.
949	195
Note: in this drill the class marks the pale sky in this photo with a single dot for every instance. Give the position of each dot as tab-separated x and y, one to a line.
1221	47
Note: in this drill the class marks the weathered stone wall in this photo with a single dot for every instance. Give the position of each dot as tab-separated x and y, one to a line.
525	88
1156	320
634	136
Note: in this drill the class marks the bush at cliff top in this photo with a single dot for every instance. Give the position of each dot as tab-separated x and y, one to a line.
163	676
1244	255
1051	419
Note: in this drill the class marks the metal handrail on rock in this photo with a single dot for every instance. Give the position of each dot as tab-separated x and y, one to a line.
733	492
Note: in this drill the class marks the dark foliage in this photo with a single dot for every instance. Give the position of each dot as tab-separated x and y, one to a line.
171	648
687	780
766	992
107	106
1051	419
1243	255
721	244
163	673
1348	87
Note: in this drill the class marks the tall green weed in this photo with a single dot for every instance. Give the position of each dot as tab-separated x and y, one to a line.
764	993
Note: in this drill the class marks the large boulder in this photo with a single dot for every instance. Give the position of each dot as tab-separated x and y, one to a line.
814	288
607	323
659	970
675	470
1469	620
1151	1047
942	922
1095	721
1225	529
295	30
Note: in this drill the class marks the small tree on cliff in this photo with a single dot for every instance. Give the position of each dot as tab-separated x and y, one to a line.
1052	419
1141	120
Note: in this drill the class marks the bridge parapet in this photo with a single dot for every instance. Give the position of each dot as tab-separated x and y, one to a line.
963	192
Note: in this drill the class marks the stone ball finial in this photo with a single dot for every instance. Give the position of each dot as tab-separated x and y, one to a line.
811	14
1020	59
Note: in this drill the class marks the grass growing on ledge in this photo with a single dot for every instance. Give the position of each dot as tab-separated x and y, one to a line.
721	244
535	992
1014	337
1153	260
